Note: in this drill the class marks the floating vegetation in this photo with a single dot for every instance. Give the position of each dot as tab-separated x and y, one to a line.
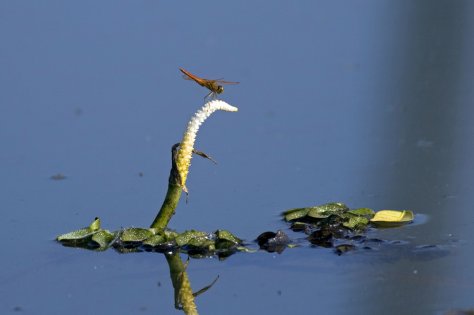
392	218
335	225
331	225
197	244
339	213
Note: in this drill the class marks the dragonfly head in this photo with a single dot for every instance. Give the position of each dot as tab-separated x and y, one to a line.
220	89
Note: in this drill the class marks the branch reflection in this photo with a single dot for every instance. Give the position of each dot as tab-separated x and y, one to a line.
184	298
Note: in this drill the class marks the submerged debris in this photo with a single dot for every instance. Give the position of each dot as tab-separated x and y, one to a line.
58	176
344	248
273	242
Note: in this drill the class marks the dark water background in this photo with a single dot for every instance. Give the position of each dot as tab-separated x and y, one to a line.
365	102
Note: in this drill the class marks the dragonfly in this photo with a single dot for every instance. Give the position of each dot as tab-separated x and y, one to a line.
215	86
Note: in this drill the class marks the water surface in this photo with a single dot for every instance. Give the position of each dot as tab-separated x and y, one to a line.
368	103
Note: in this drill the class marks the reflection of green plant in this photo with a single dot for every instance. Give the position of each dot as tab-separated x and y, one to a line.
183	294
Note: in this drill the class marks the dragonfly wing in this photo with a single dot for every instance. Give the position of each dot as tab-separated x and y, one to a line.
189	76
226	82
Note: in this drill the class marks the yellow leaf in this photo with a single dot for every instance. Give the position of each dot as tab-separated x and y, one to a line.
392	218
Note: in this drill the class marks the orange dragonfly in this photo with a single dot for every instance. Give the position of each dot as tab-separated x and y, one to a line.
213	85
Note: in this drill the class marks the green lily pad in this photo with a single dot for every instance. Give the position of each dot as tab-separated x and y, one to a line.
295	214
392	218
356	223
170	235
317	212
136	234
324	211
201	244
226	241
95	225
76	235
83	234
155	240
186	237
223	235
363	212
103	238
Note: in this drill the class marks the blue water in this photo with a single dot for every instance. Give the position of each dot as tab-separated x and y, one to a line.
368	103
